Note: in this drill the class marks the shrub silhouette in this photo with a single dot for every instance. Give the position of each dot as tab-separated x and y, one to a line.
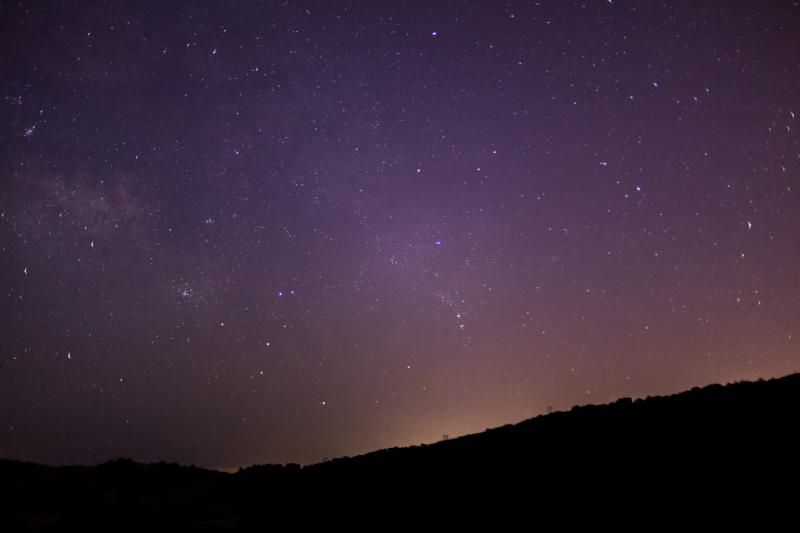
737	441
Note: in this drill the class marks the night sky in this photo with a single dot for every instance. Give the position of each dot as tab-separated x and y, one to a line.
236	233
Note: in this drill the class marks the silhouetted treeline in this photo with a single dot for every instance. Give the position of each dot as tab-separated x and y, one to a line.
736	444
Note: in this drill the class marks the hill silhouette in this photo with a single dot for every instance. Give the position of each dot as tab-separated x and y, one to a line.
736	444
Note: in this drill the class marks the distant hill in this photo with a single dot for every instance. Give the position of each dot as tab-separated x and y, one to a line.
736	444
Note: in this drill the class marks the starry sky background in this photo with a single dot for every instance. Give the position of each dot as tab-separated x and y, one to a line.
249	232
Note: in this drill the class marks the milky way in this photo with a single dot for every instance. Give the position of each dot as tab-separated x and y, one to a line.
247	232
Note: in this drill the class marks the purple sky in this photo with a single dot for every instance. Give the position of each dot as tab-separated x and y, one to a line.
249	232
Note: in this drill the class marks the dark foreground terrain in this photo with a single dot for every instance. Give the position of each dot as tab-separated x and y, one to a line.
729	449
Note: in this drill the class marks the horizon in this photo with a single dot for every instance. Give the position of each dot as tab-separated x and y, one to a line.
232	469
